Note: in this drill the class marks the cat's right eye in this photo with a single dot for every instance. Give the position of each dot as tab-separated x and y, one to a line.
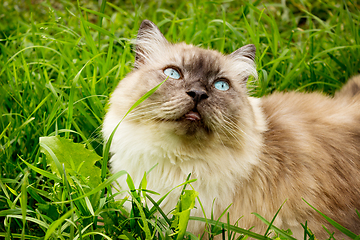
221	85
170	72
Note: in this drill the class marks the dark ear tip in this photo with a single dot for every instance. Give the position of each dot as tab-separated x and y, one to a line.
145	24
249	51
249	48
252	47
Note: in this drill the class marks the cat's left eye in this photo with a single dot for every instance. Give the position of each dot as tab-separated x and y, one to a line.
172	73
221	85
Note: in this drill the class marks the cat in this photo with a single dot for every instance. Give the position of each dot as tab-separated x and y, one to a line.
253	153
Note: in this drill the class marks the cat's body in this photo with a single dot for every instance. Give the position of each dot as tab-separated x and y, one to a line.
254	153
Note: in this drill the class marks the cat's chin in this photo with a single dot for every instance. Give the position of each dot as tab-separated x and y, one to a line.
190	129
191	125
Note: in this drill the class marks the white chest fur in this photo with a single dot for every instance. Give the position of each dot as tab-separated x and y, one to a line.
219	170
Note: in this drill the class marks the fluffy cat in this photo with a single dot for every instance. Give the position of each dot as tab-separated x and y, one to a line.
254	153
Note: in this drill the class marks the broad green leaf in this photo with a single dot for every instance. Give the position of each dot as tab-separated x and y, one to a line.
182	211
74	156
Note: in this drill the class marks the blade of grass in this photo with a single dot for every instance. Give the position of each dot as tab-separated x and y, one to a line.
232	228
24	202
72	93
335	224
108	143
57	223
272	221
275	229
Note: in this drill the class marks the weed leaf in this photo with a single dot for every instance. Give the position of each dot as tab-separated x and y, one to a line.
74	156
182	211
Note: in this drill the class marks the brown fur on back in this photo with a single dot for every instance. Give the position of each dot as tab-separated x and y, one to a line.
351	89
312	151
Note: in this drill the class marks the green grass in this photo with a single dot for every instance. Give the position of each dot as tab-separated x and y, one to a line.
60	61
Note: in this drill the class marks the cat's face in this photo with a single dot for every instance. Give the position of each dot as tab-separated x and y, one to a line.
204	95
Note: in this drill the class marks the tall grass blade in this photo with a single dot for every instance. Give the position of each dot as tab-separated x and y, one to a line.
277	230
232	228
57	223
108	143
335	224
272	221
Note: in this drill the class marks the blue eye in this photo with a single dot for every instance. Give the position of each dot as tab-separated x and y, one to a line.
221	85
172	73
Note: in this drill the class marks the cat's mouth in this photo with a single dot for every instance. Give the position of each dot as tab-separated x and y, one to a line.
192	124
193	115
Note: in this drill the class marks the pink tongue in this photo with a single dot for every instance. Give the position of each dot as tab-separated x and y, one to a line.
193	116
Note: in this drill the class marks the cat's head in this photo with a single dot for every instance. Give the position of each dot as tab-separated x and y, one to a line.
204	96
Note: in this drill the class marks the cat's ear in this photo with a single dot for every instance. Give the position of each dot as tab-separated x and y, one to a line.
245	61
246	52
149	41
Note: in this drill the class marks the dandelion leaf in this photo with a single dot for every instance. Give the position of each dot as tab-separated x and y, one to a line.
182	212
63	154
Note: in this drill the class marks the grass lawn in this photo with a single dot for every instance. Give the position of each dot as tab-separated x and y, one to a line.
60	61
